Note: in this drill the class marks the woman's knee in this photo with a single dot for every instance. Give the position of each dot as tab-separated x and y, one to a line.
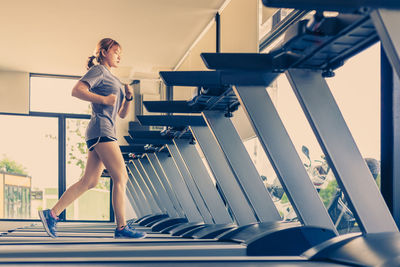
121	178
93	184
90	182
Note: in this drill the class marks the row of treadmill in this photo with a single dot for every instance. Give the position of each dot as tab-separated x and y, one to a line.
220	212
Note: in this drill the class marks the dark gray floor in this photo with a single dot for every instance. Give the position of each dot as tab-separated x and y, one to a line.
32	247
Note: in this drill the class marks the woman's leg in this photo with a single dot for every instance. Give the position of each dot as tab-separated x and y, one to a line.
90	178
111	156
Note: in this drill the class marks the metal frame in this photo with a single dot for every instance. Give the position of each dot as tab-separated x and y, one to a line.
386	23
218	32
194	191
159	187
166	183
144	188
242	166
282	154
185	198
390	139
341	151
198	171
150	185
138	194
133	200
62	159
237	201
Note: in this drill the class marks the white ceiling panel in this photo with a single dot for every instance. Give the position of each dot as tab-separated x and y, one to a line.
57	36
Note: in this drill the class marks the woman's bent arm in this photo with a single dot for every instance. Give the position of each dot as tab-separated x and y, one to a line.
125	108
81	91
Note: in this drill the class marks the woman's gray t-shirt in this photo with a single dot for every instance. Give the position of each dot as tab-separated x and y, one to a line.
102	82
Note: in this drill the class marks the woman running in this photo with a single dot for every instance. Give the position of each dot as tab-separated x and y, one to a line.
109	97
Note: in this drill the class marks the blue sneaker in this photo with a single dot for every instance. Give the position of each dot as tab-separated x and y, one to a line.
49	222
128	232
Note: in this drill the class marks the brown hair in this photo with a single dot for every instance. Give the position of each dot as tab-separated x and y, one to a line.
104	44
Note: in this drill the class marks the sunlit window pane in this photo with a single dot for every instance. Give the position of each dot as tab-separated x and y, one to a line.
356	90
54	95
28	165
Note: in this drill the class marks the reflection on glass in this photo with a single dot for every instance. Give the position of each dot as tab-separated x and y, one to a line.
95	203
28	165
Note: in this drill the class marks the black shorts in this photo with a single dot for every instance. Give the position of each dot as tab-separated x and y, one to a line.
93	142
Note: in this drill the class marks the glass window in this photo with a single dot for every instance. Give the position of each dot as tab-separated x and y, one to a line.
50	94
29	154
28	164
311	155
94	204
356	90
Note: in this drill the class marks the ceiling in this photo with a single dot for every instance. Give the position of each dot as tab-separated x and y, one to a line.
57	36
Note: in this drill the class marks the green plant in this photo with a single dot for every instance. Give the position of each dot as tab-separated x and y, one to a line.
12	166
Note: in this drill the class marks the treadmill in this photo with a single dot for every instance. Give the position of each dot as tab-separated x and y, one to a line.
345	250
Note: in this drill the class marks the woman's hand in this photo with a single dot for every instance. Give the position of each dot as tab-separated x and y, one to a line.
128	91
110	100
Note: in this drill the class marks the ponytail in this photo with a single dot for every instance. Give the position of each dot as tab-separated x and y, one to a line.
90	62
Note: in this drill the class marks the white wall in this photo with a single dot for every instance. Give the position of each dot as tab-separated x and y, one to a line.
14	92
193	61
239	33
